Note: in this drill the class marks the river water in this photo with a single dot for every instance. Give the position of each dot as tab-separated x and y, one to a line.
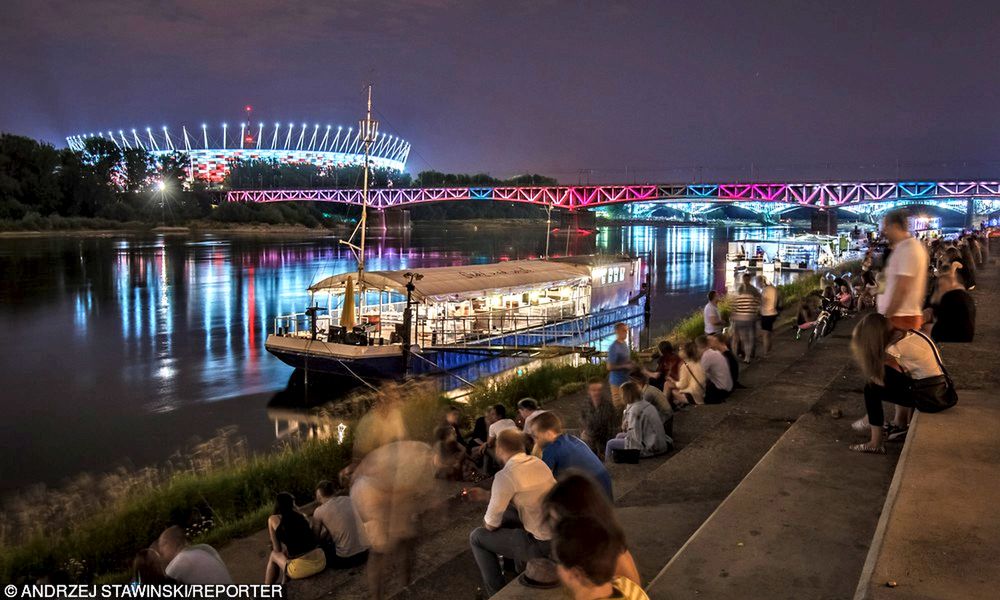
121	350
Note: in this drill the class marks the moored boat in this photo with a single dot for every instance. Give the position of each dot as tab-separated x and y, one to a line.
396	322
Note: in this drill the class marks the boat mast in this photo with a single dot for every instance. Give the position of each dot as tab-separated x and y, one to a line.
368	130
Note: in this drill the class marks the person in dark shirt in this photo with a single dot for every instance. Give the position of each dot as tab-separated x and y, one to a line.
295	550
599	419
952	308
667	366
453	419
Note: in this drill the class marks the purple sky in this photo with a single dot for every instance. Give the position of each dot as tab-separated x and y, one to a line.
798	89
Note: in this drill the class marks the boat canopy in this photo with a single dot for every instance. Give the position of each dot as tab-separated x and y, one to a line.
466	281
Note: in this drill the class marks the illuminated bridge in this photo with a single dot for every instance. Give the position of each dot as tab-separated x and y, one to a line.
766	199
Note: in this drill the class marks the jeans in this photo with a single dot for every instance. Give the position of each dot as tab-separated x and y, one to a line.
746	331
894	391
516	544
615	443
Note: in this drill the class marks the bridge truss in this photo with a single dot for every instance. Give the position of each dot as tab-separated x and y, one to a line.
754	196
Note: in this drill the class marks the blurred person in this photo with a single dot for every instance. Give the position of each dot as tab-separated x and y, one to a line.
450	459
513	526
389	490
527	410
147	568
563	452
598	418
338	527
905	272
690	386
497	421
197	564
382	424
453	419
577	494
295	551
718	377
744	316
712	317
619	364
769	309
586	553
642	427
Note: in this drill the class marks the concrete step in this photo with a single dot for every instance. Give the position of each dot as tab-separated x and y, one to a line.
939	531
797	526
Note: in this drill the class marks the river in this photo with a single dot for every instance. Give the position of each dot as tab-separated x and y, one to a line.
120	350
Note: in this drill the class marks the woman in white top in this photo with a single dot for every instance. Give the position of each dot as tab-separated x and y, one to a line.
890	358
689	388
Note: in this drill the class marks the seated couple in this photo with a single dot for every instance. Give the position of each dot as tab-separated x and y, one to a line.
300	548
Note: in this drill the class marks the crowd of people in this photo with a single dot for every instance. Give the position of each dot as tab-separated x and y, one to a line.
548	515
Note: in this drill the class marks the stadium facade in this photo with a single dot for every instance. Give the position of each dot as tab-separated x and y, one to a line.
211	150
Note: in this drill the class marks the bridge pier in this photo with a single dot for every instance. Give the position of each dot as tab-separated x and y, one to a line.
824	221
390	219
970	213
578	219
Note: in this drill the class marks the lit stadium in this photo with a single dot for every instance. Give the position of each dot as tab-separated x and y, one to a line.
210	150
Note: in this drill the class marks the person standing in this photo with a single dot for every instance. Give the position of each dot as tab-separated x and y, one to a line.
906	274
619	364
713	319
768	311
746	313
521	485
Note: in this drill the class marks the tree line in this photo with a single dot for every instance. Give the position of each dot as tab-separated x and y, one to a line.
43	187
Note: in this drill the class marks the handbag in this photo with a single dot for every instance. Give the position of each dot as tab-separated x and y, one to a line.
625	456
933	394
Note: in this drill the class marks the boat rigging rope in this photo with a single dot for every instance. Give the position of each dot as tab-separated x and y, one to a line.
442	369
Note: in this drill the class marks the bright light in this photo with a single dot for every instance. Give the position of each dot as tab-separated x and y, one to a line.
203	126
161	185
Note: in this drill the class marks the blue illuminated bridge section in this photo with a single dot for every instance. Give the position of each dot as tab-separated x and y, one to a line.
760	197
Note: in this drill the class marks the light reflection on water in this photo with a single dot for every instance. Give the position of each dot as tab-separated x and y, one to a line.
124	348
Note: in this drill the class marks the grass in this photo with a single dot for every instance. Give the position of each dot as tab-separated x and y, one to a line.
214	507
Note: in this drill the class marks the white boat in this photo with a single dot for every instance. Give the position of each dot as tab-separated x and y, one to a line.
438	318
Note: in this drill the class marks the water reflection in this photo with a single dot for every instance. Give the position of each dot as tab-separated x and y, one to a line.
124	347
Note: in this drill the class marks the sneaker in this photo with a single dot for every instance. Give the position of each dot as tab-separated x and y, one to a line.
861	425
896	433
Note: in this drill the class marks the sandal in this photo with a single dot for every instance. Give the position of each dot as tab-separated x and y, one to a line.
867	448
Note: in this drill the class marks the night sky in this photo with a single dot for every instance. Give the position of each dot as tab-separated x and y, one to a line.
644	91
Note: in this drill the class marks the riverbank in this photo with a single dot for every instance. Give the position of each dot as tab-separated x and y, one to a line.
236	491
107	228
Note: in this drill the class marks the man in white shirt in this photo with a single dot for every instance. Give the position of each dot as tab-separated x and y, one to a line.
713	320
337	524
718	377
198	564
905	274
522	485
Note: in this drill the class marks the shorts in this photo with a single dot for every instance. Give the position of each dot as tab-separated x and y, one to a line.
767	322
307	565
906	323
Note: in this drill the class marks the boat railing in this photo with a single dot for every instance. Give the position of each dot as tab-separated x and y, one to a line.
444	330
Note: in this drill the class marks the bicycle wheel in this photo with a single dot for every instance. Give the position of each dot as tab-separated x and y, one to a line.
815	334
